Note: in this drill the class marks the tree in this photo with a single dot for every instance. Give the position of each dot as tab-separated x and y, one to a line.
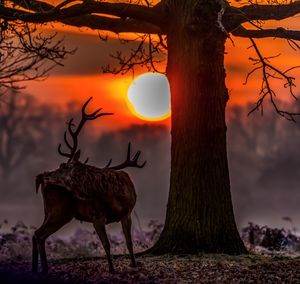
199	212
22	125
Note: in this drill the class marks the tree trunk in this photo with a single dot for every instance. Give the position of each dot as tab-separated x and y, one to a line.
199	212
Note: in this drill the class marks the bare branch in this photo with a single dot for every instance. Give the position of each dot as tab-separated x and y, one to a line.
148	52
131	17
263	33
112	25
270	72
26	54
121	10
271	12
234	16
293	44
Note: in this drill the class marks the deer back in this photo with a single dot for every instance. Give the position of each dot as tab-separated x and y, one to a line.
97	192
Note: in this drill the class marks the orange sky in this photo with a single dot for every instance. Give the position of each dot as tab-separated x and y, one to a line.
110	91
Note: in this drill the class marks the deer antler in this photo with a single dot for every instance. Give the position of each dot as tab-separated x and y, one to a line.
128	162
74	154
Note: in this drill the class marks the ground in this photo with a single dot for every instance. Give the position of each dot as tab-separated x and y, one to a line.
274	258
161	269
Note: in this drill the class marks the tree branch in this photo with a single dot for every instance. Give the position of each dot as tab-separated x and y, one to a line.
112	25
263	33
148	53
271	12
270	72
26	54
131	17
234	16
122	10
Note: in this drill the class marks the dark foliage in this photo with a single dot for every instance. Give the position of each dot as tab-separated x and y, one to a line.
270	238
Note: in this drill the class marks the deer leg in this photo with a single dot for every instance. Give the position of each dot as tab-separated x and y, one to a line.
35	255
126	226
100	229
42	253
48	228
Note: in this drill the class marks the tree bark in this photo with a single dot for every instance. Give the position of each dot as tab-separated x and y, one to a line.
199	213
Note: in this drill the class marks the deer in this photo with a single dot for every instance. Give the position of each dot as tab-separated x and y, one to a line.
77	190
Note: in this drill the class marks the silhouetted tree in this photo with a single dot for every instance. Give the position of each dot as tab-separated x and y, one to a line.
193	32
21	131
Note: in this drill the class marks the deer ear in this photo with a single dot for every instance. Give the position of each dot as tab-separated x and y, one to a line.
76	156
38	181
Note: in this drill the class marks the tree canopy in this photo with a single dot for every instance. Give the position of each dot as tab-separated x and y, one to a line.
239	19
139	18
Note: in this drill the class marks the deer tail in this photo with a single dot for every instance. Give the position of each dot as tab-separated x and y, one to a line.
38	181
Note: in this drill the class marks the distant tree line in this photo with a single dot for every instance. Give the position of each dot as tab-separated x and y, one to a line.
266	147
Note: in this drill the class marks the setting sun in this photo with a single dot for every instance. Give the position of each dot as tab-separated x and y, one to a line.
149	97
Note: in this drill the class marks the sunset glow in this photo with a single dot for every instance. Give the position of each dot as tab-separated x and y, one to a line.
148	97
81	76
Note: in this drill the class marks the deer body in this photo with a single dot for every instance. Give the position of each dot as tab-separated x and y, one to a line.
86	193
95	193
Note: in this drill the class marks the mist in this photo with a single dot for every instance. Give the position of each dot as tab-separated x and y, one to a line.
263	153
